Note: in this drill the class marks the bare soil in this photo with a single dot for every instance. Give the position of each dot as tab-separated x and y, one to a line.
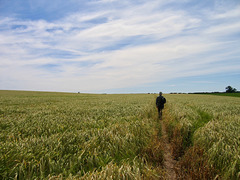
169	162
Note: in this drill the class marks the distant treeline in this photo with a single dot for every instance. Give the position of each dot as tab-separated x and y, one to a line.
214	92
235	94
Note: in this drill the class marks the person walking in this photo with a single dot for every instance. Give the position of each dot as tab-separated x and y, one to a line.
160	101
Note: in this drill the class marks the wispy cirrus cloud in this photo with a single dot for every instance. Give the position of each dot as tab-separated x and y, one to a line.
118	45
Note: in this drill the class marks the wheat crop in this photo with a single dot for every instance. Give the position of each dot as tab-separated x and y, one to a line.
212	123
64	135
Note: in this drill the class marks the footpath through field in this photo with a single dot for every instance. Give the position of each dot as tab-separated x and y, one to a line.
169	162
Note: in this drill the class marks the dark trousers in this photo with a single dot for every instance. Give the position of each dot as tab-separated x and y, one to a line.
160	112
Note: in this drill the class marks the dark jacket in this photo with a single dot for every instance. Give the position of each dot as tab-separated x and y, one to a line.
160	101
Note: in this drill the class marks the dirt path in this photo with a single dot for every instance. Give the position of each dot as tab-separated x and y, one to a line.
169	162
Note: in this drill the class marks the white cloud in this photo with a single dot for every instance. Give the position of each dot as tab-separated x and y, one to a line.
227	14
150	45
224	29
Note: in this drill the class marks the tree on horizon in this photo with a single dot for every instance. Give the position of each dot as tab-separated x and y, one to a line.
230	89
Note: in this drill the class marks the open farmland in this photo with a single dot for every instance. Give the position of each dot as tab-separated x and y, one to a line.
62	135
205	134
85	136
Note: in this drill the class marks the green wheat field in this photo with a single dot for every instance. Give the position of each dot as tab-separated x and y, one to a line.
46	135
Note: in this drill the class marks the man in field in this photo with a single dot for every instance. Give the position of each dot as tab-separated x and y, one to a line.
160	101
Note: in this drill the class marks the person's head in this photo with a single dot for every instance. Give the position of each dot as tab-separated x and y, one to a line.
160	93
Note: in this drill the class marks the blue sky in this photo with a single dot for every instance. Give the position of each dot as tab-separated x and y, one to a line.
122	46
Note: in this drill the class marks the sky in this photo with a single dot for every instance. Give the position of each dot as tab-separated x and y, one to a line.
113	46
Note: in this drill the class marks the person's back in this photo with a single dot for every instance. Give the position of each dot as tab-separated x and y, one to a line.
160	101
